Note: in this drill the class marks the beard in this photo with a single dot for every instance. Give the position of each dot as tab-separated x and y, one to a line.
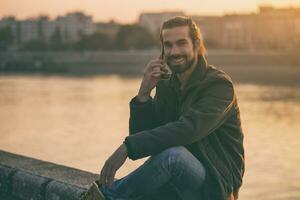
180	68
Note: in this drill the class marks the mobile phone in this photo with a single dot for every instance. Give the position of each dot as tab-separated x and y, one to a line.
167	75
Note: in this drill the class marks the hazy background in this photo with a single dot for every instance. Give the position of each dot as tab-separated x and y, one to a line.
127	11
68	72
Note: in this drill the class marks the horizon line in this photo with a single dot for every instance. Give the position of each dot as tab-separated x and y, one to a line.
209	13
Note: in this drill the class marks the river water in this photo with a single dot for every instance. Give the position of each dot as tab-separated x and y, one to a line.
79	122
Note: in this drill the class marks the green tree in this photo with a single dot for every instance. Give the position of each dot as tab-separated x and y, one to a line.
35	45
96	41
56	42
134	37
6	37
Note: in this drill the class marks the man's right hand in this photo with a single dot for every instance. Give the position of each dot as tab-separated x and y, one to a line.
152	75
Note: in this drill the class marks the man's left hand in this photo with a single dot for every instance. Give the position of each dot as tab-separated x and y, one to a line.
112	164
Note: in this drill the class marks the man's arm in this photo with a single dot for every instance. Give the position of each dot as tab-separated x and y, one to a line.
116	160
199	121
142	113
112	164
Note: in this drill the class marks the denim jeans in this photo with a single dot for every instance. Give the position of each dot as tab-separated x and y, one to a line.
172	174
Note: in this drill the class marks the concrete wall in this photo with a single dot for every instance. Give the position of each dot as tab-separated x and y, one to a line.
23	178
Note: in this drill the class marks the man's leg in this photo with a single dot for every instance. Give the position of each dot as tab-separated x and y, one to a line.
175	168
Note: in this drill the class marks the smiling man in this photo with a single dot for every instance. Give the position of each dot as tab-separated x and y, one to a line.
191	129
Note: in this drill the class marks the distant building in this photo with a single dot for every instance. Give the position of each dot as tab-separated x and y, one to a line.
277	27
211	29
237	31
29	30
40	28
111	28
70	27
153	21
46	28
73	25
270	28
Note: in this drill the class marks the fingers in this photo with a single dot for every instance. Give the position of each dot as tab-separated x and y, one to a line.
158	69
164	69
110	178
104	174
107	175
156	63
156	74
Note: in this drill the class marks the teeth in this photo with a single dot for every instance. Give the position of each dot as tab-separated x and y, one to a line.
178	59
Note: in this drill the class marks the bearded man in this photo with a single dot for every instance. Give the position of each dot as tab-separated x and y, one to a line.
191	129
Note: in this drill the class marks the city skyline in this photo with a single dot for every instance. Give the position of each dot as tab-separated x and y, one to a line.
129	10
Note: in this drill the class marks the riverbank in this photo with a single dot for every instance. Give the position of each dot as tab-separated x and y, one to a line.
261	67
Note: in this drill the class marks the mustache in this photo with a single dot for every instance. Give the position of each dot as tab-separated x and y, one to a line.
175	57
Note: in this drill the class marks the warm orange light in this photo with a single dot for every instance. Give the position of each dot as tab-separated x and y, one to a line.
128	10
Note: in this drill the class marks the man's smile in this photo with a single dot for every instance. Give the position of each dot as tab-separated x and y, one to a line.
177	60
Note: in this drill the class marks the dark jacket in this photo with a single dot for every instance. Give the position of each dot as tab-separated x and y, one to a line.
203	116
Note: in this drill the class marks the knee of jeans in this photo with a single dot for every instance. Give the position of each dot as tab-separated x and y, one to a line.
178	160
174	151
174	155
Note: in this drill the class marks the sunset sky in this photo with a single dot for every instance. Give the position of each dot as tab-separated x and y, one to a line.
127	11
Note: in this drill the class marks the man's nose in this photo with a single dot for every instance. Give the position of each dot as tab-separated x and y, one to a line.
174	50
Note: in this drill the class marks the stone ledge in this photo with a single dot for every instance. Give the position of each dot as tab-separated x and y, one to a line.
58	190
25	178
5	179
28	186
8	197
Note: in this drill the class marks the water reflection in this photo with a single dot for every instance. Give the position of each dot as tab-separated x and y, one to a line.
79	122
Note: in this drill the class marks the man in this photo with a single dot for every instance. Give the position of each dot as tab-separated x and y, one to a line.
191	129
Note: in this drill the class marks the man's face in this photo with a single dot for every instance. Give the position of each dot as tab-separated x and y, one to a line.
180	53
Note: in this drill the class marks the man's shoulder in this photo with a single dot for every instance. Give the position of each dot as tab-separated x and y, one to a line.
214	74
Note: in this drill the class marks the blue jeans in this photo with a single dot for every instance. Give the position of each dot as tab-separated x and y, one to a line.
175	173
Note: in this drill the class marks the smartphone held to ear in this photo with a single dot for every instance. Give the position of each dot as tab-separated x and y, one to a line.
166	75
167	72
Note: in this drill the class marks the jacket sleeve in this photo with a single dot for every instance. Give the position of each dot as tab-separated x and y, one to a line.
142	115
207	113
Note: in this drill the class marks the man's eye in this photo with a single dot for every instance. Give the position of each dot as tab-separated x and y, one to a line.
181	43
167	45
